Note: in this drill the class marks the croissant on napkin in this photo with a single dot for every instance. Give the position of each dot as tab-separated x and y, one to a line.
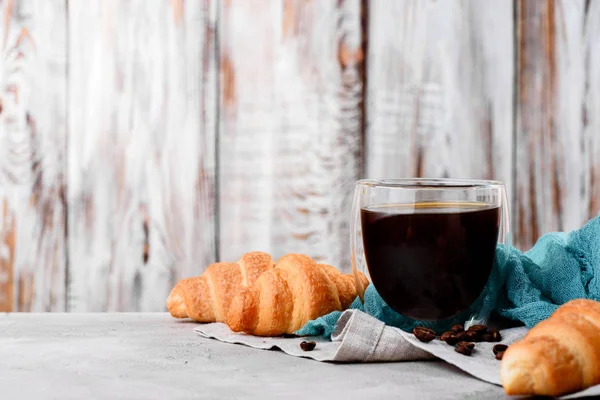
559	355
285	298
206	298
257	297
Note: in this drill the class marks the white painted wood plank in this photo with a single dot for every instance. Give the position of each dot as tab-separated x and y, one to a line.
558	145
32	155
440	89
249	33
291	126
591	117
141	150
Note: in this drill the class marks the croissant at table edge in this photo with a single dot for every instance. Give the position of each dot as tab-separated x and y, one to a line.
559	355
286	297
206	298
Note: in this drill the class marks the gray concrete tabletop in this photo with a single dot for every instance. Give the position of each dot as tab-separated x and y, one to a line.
152	356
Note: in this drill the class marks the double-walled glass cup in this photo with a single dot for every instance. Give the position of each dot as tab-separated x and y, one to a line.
429	247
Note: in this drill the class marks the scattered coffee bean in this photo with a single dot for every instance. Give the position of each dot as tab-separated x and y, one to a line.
499	348
478	328
424	334
445	335
307	346
496	336
461	335
464	348
499	355
457	328
470	345
472	336
487	337
450	338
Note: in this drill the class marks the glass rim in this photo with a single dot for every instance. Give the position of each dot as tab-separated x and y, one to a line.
431	183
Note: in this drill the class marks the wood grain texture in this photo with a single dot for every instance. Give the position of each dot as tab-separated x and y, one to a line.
142	115
178	150
440	89
558	117
32	155
7	259
290	143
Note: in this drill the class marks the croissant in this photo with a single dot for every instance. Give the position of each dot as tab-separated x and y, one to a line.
285	298
559	355
207	298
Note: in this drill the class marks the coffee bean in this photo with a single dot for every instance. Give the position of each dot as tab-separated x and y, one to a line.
496	336
472	336
457	328
450	338
424	334
487	337
478	328
307	346
464	348
461	335
499	355
499	348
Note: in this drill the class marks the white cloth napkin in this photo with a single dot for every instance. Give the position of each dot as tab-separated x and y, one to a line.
358	337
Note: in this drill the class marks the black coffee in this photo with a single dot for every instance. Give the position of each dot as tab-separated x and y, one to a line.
430	261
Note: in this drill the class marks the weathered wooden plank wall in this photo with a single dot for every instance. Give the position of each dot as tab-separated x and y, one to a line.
166	134
32	155
558	117
142	115
291	120
440	89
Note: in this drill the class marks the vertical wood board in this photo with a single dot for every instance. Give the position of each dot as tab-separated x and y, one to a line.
440	89
291	126
32	155
141	150
248	34
558	117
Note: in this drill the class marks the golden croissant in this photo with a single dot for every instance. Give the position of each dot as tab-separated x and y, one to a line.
286	297
559	355
206	298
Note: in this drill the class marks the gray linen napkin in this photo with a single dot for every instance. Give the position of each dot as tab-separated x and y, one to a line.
358	337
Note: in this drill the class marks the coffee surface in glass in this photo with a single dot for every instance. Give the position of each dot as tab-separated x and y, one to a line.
430	260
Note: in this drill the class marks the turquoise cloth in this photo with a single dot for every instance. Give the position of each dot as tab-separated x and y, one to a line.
525	287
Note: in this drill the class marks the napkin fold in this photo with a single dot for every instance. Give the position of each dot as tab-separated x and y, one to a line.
359	337
523	287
